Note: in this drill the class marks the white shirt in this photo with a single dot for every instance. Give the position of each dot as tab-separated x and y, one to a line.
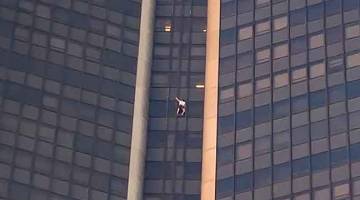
182	103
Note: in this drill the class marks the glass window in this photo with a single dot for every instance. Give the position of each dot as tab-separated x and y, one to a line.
317	70
57	43
299	75
299	103
244	151
262	2
280	51
281	140
333	7
282	172
341	191
336	93
301	166
262	114
281	80
280	23
245	33
243	182
355	152
353	88
281	109
317	41
339	156
245	89
298	45
263	55
322	194
356	187
315	12
319	130
300	135
262	27
227	155
226	93
262	177
350	4
227	9
225	186
353	60
320	161
317	99
262	84
352	31
243	119
228	36
334	35
226	124
297	17
262	145
335	64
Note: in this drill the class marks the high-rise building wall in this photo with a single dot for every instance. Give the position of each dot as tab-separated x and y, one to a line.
289	93
88	110
67	84
173	158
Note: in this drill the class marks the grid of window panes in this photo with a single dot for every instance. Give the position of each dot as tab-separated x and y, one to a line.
173	161
67	76
289	100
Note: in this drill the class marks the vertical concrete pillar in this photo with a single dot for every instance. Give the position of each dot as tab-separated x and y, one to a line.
141	104
208	175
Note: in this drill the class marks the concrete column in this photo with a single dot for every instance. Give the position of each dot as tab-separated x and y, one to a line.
141	104
208	175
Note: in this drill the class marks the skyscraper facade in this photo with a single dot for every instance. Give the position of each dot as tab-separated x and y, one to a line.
88	110
173	157
288	111
68	71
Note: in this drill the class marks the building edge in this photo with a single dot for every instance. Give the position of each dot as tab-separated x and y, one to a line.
208	174
141	104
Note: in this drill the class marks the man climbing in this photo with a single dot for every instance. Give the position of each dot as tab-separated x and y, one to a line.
181	108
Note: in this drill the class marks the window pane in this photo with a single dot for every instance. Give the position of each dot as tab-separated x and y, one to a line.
299	75
245	90
226	93
245	33
281	140
317	70
317	41
301	166
281	51
297	17
243	182
262	177
262	2
262	27
282	172
339	156
356	187
263	56
280	23
262	84
281	109
352	31
225	186
281	80
315	12
341	191
244	151
353	60
320	161
322	194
